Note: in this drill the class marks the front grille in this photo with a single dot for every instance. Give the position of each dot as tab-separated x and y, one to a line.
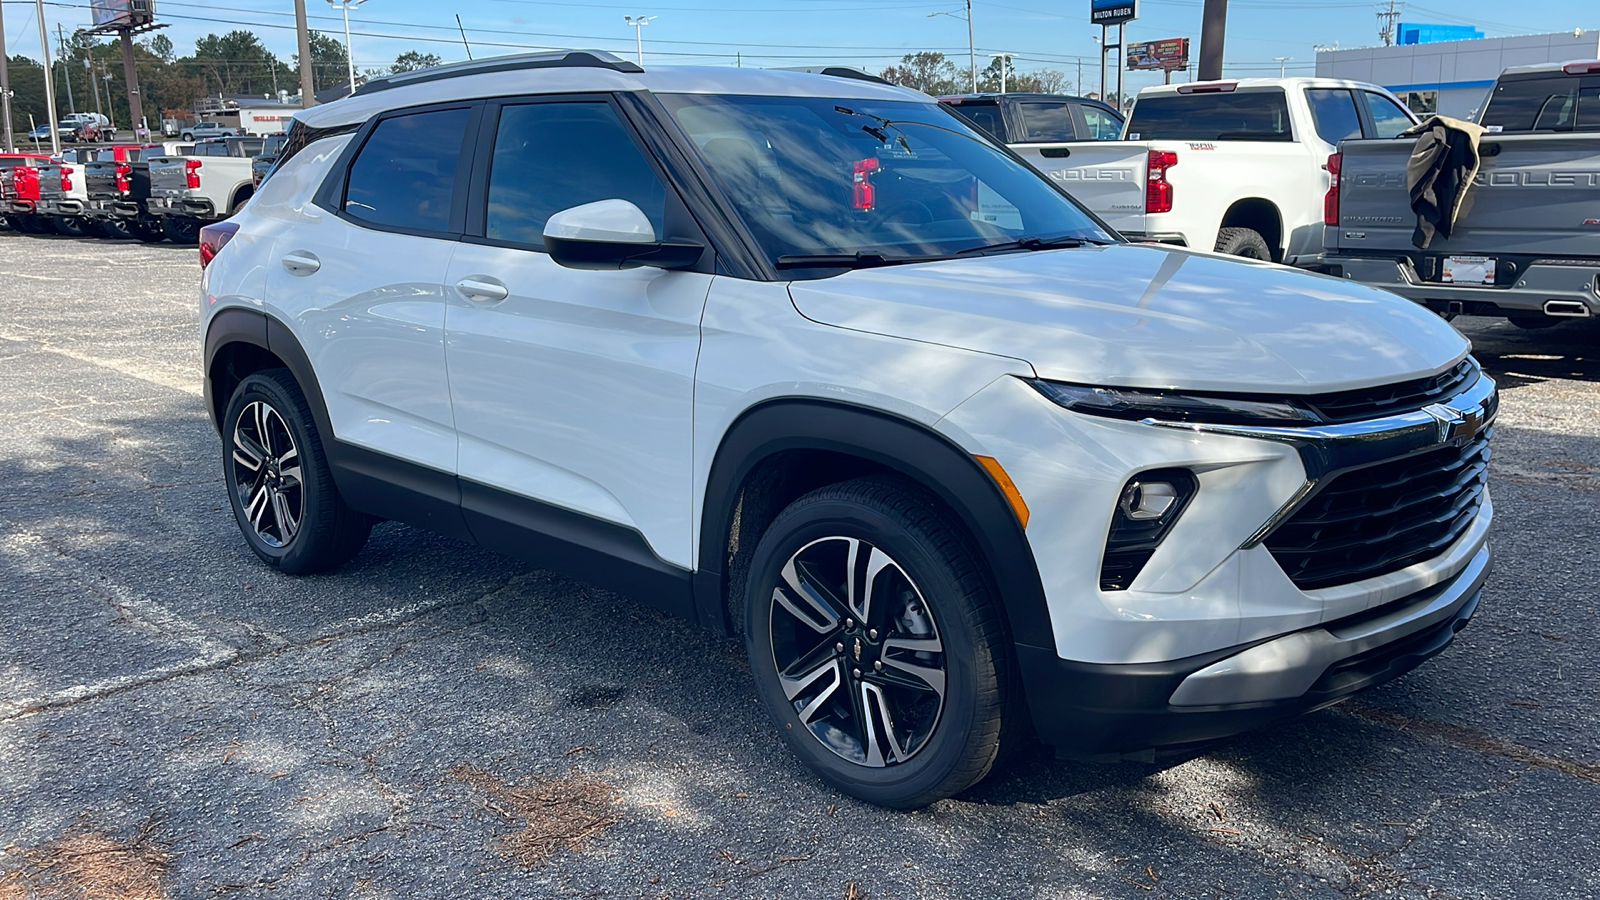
1379	519
1390	399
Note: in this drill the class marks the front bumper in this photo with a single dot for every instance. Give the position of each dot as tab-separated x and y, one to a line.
1568	281
1086	709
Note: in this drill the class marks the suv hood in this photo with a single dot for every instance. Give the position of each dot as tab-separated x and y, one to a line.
1141	315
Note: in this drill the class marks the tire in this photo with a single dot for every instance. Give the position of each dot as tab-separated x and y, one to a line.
940	601
33	224
244	201
1245	242
180	230
291	514
147	230
70	226
187	136
1534	322
114	229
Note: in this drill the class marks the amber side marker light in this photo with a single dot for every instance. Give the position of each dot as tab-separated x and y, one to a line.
1007	487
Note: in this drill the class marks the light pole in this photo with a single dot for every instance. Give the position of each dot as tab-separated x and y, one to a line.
349	56
49	82
1283	64
972	53
1005	63
638	23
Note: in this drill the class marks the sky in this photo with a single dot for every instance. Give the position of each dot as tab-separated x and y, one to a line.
869	34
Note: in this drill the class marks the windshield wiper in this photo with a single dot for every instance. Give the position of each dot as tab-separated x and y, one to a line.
1034	243
857	260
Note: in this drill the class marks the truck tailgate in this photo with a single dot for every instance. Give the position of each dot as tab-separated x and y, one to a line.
50	180
1537	194
1106	176
169	175
101	180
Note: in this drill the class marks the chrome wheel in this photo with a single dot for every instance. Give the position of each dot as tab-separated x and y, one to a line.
857	651
266	474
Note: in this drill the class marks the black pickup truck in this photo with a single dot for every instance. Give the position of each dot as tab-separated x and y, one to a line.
118	188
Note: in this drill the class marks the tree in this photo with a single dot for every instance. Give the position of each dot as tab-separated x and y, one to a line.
411	60
328	66
1043	81
237	63
161	48
930	73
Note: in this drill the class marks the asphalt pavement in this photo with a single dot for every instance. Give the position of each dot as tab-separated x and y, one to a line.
438	721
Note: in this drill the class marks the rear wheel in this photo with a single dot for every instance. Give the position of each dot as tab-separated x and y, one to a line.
876	643
1245	242
1534	322
113	228
147	230
279	483
33	224
71	226
180	230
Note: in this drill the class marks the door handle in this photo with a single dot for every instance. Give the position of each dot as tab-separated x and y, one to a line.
301	262
482	289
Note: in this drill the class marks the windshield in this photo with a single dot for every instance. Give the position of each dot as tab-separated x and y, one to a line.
890	179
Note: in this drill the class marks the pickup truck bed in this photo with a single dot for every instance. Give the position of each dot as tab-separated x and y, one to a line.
1526	244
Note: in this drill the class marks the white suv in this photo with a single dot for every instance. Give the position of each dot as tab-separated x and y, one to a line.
805	358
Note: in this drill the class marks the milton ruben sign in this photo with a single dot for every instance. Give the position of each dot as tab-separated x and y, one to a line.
1113	12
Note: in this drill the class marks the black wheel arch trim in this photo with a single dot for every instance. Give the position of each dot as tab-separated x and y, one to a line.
899	444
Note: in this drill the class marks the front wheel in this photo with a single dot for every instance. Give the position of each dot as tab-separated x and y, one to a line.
279	482
876	643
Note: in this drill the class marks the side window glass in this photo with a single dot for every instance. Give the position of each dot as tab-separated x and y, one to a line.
1387	115
404	176
553	156
985	116
1589	105
1044	121
1103	126
1334	112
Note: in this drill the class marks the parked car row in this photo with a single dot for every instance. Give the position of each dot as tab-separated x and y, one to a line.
151	192
1307	172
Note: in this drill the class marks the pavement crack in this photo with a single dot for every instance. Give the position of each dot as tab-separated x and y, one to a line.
1473	739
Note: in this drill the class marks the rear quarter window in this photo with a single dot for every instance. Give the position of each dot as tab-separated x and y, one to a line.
1240	116
403	177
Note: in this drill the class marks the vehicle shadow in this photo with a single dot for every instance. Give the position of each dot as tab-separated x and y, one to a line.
1519	356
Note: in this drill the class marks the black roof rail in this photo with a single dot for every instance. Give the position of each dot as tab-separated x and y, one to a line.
553	59
837	72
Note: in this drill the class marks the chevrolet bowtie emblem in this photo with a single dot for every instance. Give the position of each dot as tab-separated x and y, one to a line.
1455	426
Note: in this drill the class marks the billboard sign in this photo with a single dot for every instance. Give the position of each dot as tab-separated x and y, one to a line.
1172	53
111	14
1112	12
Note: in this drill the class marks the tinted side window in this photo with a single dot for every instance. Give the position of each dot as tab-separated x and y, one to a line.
1389	117
553	156
1242	116
1104	125
404	176
1047	120
985	116
1335	114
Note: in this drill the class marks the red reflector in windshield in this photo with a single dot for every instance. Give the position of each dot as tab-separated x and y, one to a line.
862	194
1214	87
1583	68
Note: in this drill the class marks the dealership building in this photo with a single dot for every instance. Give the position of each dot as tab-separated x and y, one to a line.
1451	77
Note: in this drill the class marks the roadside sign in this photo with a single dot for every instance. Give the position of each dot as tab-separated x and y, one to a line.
1172	53
1112	12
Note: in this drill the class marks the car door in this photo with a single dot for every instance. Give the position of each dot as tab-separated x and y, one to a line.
572	390
363	283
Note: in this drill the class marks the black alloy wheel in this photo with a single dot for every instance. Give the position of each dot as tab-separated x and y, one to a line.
180	230
876	643
279	483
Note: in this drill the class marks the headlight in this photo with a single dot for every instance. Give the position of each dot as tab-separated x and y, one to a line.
1137	403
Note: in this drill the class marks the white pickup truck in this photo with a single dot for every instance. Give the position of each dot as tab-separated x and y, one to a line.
1239	167
210	182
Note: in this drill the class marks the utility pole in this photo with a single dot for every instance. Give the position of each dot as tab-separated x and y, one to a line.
308	86
1386	20
638	23
972	52
49	81
88	74
5	88
131	75
66	70
1213	31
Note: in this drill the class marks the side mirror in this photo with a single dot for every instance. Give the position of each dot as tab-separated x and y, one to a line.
612	234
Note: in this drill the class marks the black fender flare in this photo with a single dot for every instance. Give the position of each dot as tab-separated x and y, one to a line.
247	326
896	443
